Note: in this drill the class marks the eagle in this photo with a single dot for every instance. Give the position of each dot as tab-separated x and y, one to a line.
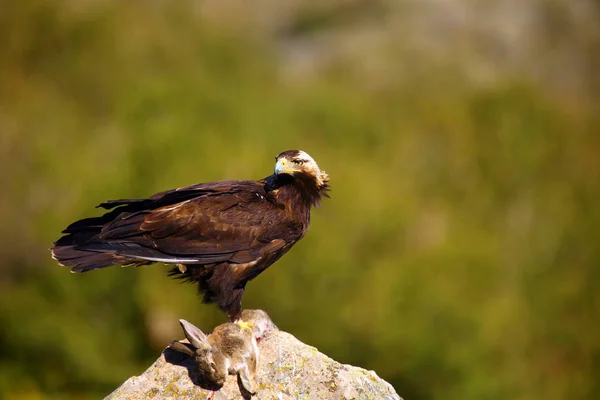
219	235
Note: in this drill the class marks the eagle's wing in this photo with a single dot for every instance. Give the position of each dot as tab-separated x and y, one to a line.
215	223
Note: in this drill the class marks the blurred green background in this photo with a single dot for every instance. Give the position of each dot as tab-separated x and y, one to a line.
458	256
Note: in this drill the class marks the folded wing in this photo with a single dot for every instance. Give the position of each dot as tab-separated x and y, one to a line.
203	224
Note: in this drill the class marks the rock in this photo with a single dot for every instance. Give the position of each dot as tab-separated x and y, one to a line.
288	369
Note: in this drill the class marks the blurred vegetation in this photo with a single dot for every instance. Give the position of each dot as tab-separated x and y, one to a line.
458	256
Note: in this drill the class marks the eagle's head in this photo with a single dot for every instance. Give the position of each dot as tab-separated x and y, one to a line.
300	165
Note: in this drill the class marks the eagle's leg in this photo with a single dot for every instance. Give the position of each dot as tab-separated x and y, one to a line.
220	286
232	304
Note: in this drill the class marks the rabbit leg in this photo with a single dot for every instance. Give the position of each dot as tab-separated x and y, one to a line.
252	361
247	378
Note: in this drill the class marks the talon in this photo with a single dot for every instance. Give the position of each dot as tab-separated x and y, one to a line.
182	268
245	325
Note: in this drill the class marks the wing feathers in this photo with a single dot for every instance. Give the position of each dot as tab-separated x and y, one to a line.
203	224
124	202
134	250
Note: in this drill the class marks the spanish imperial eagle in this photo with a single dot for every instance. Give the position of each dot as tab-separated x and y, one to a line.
218	234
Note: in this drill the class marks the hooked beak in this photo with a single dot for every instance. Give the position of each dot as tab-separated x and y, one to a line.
283	167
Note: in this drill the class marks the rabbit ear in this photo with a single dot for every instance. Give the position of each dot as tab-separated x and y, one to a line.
178	346
196	337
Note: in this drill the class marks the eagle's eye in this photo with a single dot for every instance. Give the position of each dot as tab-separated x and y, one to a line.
212	365
298	162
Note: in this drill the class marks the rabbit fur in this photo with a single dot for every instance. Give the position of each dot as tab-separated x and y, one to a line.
230	349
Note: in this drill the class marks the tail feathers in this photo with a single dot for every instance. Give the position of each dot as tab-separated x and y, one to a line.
84	230
115	238
82	261
82	250
99	254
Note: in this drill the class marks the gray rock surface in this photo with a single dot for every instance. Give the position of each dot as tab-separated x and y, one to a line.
288	369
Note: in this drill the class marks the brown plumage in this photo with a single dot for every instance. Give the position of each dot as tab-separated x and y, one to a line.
219	234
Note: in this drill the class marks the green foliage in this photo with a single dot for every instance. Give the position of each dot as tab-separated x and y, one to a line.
458	255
